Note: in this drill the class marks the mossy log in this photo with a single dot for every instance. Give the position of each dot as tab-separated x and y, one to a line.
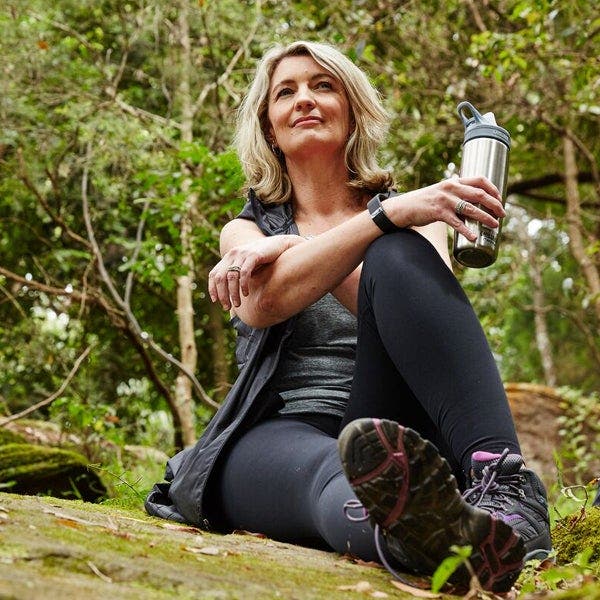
10	437
576	533
28	469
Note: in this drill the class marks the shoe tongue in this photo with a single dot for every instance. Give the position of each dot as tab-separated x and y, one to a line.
510	465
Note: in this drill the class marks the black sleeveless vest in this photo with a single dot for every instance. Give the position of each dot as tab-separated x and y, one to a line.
182	497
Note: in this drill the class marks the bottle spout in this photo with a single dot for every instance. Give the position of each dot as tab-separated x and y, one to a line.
489	118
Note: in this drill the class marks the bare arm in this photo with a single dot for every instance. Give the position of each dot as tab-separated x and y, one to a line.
290	274
436	233
246	248
281	275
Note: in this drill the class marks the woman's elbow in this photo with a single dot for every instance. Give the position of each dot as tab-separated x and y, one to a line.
263	312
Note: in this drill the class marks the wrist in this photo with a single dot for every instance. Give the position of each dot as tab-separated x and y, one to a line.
379	215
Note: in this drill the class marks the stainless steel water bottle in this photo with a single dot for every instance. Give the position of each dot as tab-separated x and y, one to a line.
485	152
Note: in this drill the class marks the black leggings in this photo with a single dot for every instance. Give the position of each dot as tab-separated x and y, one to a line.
422	360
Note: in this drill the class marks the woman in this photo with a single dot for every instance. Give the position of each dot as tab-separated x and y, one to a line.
348	317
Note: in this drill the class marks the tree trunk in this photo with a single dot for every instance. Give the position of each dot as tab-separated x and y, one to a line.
219	351
542	338
189	355
575	226
185	306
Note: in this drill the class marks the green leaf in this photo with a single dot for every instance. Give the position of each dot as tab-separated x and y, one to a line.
449	566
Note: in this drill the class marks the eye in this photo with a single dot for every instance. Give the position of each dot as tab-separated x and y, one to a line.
324	84
286	91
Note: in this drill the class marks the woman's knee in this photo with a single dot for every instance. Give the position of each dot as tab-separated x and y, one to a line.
394	251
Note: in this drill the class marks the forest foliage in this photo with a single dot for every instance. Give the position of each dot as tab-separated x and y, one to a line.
116	174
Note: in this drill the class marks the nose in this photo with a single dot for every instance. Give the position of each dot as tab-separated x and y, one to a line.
304	98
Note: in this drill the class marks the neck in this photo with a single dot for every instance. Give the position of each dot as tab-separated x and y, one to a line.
322	198
321	187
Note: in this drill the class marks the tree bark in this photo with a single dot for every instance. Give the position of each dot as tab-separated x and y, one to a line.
185	283
542	338
219	351
575	225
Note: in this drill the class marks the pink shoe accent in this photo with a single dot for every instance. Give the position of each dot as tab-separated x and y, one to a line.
482	456
487	551
395	456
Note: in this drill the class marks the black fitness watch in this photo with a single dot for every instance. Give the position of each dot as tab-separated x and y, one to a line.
379	217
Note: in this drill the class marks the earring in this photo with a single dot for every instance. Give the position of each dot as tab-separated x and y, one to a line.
276	150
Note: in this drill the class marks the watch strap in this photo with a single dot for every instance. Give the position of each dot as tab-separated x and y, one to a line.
378	215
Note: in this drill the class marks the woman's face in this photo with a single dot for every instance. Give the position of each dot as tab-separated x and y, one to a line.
308	109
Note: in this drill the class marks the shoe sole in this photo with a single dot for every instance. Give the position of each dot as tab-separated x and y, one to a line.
410	492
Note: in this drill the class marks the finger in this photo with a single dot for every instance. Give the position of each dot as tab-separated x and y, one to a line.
222	289
212	288
464	209
456	223
483	183
233	286
250	264
245	280
476	195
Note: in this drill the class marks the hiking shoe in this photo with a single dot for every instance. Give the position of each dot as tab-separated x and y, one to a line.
502	486
409	491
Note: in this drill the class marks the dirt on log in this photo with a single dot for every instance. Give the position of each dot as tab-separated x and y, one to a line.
53	548
540	413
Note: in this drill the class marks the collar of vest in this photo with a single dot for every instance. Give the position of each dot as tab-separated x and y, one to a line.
271	219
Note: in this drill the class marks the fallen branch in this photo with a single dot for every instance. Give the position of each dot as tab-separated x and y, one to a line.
54	396
99	573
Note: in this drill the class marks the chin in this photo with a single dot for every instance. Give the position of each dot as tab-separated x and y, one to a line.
315	146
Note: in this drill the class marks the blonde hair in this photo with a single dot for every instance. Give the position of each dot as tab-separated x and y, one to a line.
265	171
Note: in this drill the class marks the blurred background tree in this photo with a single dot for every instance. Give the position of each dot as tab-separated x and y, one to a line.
116	175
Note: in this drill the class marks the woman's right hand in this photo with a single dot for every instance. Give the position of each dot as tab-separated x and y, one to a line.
438	202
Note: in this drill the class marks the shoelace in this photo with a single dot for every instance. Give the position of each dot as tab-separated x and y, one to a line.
357	505
494	490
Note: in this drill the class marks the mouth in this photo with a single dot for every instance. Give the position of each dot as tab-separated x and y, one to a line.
307	120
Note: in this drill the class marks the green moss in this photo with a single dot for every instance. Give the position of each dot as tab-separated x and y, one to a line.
146	558
28	469
98	551
588	592
10	437
576	533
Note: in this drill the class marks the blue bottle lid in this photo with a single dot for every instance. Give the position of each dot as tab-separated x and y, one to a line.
478	125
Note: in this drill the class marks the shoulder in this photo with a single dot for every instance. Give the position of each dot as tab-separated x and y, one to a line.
239	231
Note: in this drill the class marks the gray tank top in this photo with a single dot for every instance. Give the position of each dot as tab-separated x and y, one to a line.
315	371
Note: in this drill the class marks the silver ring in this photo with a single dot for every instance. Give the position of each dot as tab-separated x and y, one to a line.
234	268
459	209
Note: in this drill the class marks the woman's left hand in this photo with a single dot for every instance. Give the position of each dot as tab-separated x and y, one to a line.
229	280
478	198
